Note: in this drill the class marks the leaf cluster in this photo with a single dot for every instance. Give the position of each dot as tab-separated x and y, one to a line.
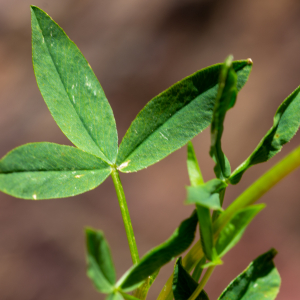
170	120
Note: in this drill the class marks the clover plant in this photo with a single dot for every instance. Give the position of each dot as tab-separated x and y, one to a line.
169	121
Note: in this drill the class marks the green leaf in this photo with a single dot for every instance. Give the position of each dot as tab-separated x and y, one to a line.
206	232
206	197
184	285
179	241
225	100
71	90
46	170
207	194
194	171
142	291
100	265
114	296
198	269
286	123
260	281
235	228
128	297
174	117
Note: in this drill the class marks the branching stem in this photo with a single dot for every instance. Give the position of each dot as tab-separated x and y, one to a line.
262	185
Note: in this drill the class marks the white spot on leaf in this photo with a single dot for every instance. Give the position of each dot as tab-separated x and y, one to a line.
124	165
163	136
78	176
34	196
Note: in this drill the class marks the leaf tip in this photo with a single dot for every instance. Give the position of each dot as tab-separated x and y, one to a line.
33	8
249	61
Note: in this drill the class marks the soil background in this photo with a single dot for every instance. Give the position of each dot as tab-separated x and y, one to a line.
138	48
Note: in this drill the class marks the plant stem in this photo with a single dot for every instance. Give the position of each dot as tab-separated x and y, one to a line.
126	217
142	291
283	168
216	213
202	283
262	185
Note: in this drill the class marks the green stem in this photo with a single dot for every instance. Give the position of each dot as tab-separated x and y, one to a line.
262	185
202	283
198	269
283	168
142	291
126	217
216	213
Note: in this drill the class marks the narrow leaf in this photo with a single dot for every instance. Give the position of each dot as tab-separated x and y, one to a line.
225	100
184	285
235	228
260	281
194	171
100	265
198	269
174	117
179	241
286	123
207	194
206	197
46	170
206	232
71	90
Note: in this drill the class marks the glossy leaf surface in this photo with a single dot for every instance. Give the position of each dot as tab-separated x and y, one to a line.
235	228
260	281
179	241
100	265
174	117
184	285
286	123
226	98
46	170
207	194
71	90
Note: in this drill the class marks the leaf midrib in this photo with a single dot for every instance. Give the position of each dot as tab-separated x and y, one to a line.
45	171
107	160
158	128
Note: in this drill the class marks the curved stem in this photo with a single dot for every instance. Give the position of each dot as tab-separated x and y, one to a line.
283	168
126	217
262	185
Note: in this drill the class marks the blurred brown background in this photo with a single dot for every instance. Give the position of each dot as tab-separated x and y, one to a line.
137	49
